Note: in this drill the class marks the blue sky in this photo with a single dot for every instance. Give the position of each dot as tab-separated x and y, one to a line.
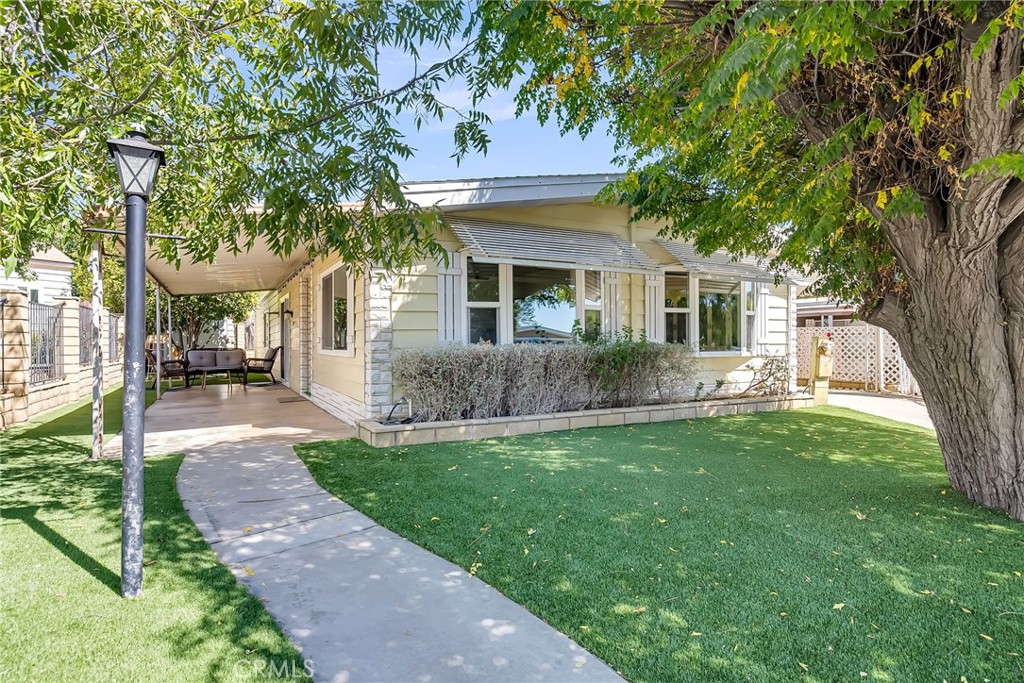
518	146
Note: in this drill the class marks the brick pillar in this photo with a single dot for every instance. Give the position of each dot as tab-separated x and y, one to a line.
14	350
69	345
377	330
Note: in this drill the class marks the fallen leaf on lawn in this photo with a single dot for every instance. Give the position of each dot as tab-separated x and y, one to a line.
661	521
435	519
804	666
584	628
526	551
579	665
453	468
149	563
989	583
783	614
248	529
965	610
264	599
985	637
249	652
672	549
838	605
696	634
639	610
926	592
531	532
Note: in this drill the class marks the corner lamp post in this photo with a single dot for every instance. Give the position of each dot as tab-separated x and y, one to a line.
137	164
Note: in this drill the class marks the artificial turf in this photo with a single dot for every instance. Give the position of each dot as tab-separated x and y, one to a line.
819	545
61	617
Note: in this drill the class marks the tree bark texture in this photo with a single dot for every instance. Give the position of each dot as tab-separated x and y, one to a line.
962	328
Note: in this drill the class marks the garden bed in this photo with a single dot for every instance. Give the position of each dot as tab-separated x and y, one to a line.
381	435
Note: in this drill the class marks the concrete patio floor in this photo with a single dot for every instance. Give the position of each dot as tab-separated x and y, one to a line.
361	603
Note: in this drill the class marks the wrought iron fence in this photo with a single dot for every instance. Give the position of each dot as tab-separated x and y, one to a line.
86	334
114	329
46	362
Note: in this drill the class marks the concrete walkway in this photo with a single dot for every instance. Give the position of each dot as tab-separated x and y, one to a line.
360	602
899	408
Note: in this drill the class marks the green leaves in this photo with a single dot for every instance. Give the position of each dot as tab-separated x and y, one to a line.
283	104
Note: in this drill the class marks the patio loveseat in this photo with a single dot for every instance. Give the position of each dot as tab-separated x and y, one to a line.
205	361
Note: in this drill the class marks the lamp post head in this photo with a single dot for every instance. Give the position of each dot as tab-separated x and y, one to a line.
137	162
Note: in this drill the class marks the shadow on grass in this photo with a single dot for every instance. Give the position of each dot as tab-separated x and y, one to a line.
193	611
738	548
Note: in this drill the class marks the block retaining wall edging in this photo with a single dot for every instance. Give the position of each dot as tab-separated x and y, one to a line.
385	436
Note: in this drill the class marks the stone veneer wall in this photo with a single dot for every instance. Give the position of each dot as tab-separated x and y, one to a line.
378	335
383	436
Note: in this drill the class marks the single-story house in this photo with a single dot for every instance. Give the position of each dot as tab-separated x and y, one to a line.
528	257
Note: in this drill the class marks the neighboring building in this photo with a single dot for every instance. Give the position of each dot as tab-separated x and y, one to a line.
50	277
823	312
526	258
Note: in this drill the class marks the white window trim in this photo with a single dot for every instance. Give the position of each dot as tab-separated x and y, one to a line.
745	350
581	300
350	294
663	309
504	303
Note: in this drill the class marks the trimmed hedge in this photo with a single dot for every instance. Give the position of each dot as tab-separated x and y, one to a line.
481	380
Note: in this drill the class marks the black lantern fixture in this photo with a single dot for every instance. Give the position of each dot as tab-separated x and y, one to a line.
137	164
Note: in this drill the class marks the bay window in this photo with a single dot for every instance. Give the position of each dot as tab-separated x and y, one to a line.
531	304
716	315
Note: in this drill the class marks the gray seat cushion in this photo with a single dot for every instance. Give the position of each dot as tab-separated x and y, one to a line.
233	358
201	358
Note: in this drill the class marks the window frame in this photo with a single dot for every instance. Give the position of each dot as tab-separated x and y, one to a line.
503	305
747	346
350	298
690	298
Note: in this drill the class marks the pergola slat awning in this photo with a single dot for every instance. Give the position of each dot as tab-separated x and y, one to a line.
504	242
720	263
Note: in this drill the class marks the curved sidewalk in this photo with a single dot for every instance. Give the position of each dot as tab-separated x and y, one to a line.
361	603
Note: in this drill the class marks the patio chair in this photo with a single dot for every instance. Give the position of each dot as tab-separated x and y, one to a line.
169	369
264	365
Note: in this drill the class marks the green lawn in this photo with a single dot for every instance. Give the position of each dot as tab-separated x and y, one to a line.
821	545
61	617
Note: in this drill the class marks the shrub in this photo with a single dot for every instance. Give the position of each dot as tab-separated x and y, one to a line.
481	380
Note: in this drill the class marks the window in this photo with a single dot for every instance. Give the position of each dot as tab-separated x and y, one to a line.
591	287
532	304
336	310
543	305
677	308
483	301
33	295
718	314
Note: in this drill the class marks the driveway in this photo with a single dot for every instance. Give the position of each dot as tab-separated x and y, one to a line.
899	408
361	603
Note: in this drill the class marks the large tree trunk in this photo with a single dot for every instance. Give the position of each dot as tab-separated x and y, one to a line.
966	356
962	327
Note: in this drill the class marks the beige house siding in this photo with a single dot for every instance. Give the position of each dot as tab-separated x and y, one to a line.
404	310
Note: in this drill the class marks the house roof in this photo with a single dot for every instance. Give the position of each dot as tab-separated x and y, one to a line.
50	258
507	242
719	263
539	190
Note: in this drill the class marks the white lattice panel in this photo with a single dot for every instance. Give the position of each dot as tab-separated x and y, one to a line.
858	352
